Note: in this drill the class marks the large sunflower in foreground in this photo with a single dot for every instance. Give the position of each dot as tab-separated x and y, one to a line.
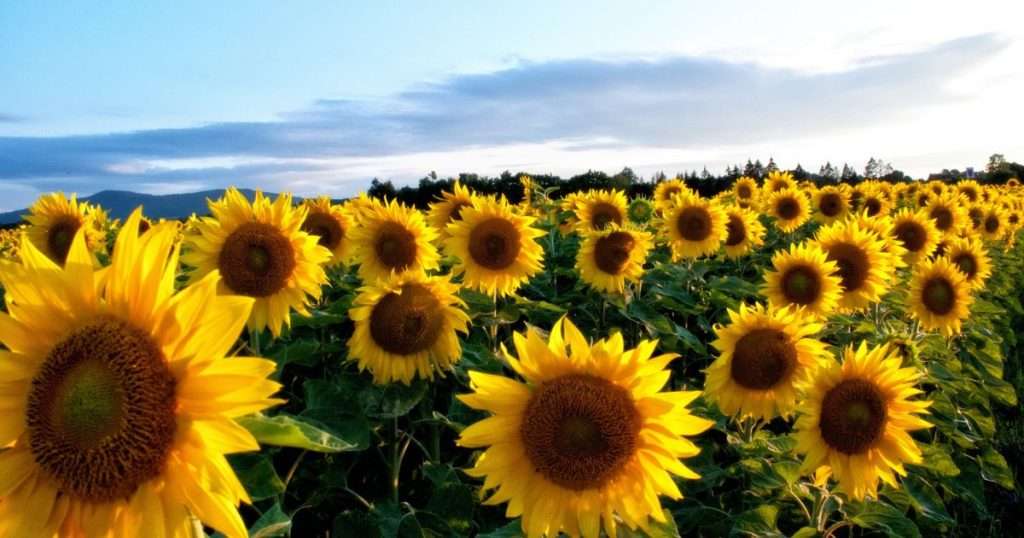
496	246
391	239
53	222
260	251
916	233
855	421
118	404
767	358
864	269
940	296
790	209
610	257
971	257
831	204
600	209
450	207
406	327
588	441
743	232
694	226
805	278
331	225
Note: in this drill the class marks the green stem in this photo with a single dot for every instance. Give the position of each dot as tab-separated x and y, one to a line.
254	343
396	462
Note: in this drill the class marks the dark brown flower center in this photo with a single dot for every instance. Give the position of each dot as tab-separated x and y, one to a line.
967	263
853	416
580	430
60	236
395	246
611	253
938	296
942	216
602	214
873	206
911	234
325	227
743	191
801	285
922	199
495	243
992	224
256	260
970	193
694	223
787	208
101	412
830	204
977	216
762	358
407	322
737	231
853	265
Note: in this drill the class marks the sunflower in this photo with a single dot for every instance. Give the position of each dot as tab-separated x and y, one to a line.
803	277
260	251
855	421
746	189
609	257
864	271
406	327
640	211
875	203
923	198
1013	182
588	441
330	224
496	246
694	226
743	232
947	213
362	207
970	189
391	239
119	403
993	224
831	204
667	190
600	209
779	181
53	222
449	207
790	209
916	234
976	214
767	358
970	256
940	296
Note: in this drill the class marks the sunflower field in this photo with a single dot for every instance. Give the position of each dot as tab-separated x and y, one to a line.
781	359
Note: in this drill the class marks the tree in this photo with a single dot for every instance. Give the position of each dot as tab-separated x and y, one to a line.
704	174
871	170
772	167
848	174
758	169
828	172
996	162
748	170
799	173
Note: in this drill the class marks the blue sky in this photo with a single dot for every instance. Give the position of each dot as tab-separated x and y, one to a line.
322	96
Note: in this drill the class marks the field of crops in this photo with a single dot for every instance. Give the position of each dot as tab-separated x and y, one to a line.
782	359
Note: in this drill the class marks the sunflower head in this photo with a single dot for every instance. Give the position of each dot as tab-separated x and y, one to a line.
586	439
496	246
971	257
767	357
804	278
746	189
330	224
260	251
640	211
120	406
667	190
790	208
600	209
610	257
391	239
916	233
864	268
856	418
406	327
53	222
831	203
744	232
947	213
993	224
940	296
970	190
694	226
449	208
779	181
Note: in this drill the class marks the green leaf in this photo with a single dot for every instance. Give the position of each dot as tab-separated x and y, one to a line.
995	469
454	504
355	523
258	475
938	461
273	523
286	430
392	400
926	501
880	516
788	470
806	532
760	521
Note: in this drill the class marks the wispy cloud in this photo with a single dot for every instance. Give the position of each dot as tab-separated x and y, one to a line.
582	104
10	118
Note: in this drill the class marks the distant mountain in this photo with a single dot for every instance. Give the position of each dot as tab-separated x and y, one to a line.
120	204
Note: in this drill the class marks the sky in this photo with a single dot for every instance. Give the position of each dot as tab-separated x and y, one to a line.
321	97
